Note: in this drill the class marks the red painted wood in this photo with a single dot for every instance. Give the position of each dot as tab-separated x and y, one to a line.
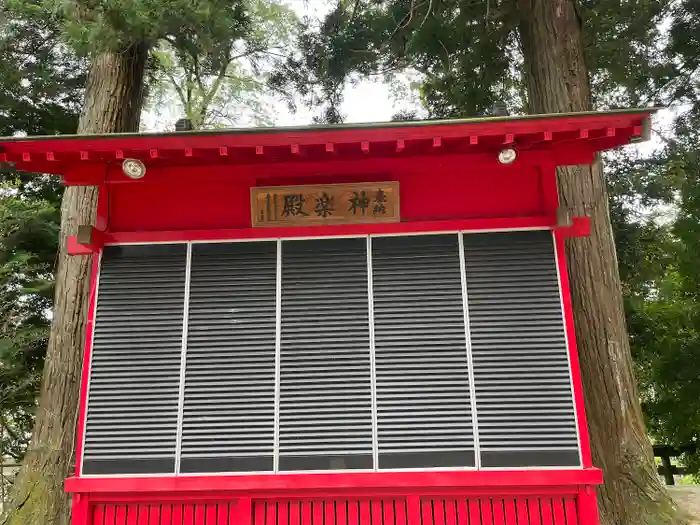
468	225
98	515
450	512
498	509
341	513
493	132
178	515
271	513
188	514
283	513
576	379
587	505
533	505
559	513
299	484
365	513
426	510
241	513
439	511
474	511
80	510
377	510
259	511
547	511
413	510
120	515
211	513
154	514
306	513
87	352
132	514
317	512
226	204
510	512
571	512
166	516
462	512
486	511
110	514
353	513
294	513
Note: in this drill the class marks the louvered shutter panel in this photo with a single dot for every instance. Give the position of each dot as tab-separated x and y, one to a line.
325	388
229	404
135	367
423	399
522	379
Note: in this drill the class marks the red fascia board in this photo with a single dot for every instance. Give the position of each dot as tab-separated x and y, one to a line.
31	154
245	484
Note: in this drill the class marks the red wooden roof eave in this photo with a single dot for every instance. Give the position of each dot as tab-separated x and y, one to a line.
59	155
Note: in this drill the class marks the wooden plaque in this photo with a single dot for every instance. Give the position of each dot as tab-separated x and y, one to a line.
362	202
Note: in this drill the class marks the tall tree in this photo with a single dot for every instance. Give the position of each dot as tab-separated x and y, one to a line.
113	101
557	78
532	55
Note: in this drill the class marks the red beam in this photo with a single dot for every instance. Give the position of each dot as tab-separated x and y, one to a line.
340	481
513	223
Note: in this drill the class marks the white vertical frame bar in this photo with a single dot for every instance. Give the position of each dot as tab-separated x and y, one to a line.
470	359
278	357
89	378
372	357
568	348
183	359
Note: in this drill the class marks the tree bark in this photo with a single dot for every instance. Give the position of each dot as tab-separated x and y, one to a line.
113	101
558	82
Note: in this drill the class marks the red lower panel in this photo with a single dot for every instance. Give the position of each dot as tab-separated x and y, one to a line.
498	511
559	510
163	514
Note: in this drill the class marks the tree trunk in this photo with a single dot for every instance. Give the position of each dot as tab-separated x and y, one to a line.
557	81
113	101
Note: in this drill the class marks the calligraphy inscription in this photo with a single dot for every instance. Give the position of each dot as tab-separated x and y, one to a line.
325	204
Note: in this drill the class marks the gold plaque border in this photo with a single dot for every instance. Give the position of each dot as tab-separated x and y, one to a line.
255	190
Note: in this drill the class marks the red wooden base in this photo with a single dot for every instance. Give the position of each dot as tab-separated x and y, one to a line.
437	501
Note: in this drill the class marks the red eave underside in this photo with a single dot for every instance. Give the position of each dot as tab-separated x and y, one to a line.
593	132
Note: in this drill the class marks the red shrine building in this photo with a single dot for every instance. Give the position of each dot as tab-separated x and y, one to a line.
346	325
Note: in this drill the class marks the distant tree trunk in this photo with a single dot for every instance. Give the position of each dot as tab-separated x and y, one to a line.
113	102
557	81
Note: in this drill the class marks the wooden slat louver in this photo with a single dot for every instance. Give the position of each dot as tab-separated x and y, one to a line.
423	398
522	380
229	400
325	386
135	367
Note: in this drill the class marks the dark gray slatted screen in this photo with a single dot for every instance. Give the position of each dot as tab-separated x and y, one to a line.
523	392
325	389
423	400
135	371
228	422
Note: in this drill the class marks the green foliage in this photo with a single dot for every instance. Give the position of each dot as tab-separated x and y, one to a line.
41	81
211	97
29	225
196	25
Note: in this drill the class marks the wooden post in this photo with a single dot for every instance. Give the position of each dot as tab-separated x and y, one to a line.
667	469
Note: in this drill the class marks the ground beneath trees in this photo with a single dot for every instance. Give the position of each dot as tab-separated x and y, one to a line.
688	499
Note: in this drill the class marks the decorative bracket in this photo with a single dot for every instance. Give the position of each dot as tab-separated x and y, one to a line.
576	227
88	241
